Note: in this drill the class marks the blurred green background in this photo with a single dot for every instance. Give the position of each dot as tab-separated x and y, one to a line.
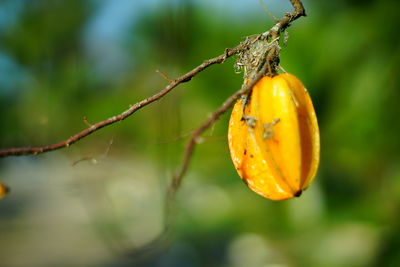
63	60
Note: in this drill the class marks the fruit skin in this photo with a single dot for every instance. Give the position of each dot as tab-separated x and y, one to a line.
274	138
3	190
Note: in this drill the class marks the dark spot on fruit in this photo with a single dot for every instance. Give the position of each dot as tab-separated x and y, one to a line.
298	193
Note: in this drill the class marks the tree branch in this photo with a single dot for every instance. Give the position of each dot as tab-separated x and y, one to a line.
97	126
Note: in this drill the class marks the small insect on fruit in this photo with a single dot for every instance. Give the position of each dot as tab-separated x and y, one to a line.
273	138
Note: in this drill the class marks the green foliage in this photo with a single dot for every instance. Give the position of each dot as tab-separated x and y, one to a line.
345	52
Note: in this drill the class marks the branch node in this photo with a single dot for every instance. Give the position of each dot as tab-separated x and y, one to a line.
188	79
226	55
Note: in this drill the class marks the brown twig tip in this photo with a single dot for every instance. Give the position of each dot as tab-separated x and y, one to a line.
299	8
85	120
165	76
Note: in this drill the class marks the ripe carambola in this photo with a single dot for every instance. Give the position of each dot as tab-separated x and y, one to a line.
273	138
3	190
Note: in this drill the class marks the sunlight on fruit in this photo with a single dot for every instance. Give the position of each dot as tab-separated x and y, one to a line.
273	137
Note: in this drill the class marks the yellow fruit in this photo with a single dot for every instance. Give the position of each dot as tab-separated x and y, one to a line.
273	138
3	190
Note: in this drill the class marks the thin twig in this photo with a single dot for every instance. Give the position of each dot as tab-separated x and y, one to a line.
165	76
85	120
266	9
132	109
92	159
